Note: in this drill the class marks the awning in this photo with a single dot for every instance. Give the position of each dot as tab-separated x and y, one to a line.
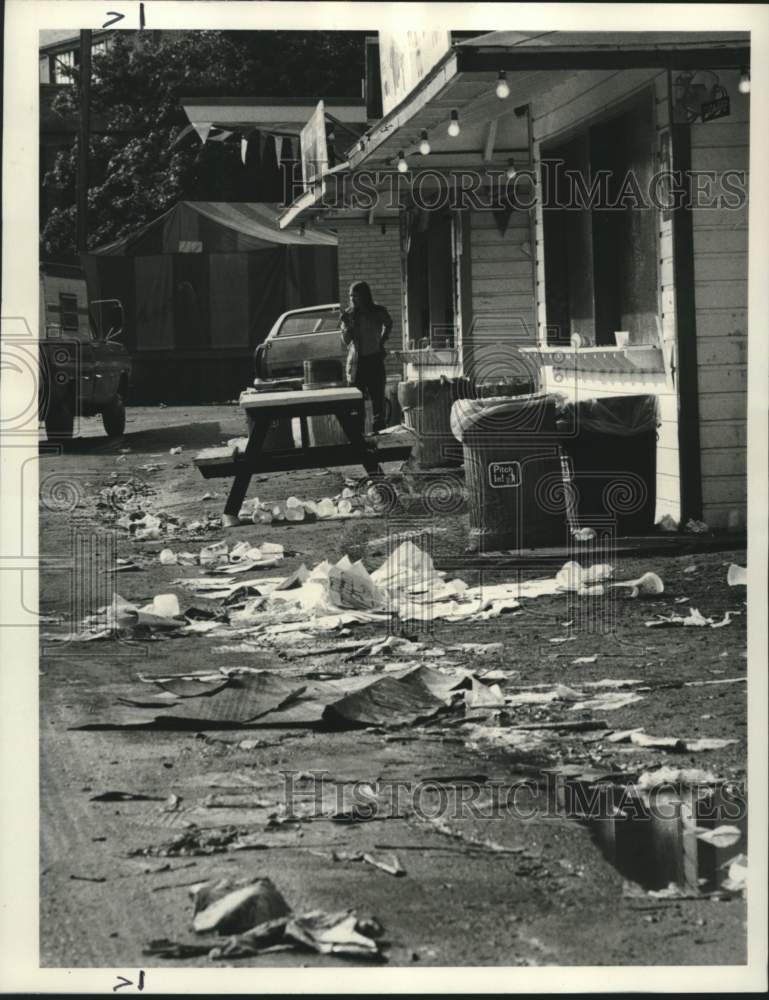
216	227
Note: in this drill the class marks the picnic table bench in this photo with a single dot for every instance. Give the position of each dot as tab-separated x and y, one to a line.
245	457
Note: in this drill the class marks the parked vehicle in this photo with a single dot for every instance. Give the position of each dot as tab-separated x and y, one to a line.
84	370
310	334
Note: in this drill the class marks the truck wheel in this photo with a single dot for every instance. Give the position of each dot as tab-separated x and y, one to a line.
113	417
59	421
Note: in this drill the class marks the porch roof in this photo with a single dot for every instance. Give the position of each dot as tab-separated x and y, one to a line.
492	130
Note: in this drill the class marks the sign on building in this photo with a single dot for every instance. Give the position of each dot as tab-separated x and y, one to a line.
314	151
405	58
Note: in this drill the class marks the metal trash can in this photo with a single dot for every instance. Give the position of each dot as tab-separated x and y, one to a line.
426	406
610	446
512	471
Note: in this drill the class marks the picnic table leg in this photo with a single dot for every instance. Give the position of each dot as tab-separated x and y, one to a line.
351	425
239	487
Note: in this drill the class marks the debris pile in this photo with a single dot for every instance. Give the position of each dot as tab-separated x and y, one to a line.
255	918
349	503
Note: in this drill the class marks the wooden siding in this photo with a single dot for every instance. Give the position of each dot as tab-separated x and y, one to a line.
721	299
502	295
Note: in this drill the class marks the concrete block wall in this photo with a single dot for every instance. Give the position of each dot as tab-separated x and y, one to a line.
372	253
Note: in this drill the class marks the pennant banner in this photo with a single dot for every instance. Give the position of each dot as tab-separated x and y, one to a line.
243	150
278	147
185	131
202	128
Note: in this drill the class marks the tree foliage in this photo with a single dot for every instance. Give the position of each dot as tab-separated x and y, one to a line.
136	172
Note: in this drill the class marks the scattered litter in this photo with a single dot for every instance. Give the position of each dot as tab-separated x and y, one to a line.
694	618
737	879
667	523
573	577
607	702
168	557
164	948
332	934
485	843
479	696
584	534
676	776
706	743
175	451
737	576
642	739
124	565
119	796
690	569
680	600
647	585
722	836
264	937
218	907
695	527
585	659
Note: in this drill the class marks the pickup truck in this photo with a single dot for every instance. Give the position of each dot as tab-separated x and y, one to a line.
84	370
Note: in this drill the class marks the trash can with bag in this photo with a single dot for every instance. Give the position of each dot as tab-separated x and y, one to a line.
512	471
426	406
611	449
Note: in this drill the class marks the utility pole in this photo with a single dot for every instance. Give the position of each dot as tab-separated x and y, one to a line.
83	141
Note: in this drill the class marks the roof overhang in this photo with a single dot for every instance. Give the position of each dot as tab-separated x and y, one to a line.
463	80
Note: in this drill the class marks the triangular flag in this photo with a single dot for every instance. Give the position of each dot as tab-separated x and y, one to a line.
243	150
202	128
185	131
278	147
502	219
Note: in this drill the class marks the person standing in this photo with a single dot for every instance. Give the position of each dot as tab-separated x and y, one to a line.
367	325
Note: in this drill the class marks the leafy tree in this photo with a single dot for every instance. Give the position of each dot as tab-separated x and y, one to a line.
136	172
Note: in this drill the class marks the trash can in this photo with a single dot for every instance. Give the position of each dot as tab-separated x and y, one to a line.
611	449
426	406
512	471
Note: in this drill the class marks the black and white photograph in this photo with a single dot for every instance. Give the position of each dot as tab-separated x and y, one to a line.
384	525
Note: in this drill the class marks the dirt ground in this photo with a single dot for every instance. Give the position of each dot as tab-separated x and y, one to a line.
552	897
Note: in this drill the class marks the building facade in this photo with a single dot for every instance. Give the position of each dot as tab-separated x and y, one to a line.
573	206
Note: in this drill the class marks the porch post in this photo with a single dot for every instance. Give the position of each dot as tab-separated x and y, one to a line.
687	387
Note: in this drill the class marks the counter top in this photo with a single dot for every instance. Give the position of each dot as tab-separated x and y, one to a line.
641	359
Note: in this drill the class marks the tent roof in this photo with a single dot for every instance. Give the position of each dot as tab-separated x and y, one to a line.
215	227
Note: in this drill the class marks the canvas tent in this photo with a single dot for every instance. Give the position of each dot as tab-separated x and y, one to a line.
201	286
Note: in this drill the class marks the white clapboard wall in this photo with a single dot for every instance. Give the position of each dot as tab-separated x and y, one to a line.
721	301
503	301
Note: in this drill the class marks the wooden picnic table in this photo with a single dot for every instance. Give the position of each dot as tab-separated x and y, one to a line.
262	408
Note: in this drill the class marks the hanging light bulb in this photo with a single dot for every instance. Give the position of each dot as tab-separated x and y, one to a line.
744	85
402	165
511	170
453	128
424	145
503	88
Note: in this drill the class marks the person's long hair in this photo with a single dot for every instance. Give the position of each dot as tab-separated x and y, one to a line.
364	290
